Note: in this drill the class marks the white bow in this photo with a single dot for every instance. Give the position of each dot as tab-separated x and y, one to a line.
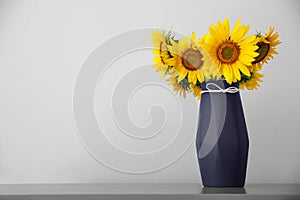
219	89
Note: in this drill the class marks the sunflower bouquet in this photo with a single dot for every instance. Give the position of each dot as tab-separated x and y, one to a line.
222	54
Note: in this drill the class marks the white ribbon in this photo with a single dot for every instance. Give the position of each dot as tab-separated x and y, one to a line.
219	89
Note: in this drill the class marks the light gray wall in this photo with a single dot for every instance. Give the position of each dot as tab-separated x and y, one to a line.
44	44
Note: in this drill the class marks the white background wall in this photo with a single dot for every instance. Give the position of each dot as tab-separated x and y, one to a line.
43	45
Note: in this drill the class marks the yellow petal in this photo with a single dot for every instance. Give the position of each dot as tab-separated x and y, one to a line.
235	29
194	36
213	31
200	77
192	77
246	59
181	70
236	73
226	27
243	69
227	72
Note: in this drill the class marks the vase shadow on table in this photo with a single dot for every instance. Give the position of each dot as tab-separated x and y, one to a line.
223	190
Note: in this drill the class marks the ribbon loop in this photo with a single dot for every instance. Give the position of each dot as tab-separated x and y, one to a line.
219	89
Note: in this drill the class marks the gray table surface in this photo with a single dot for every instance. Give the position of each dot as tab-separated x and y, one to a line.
178	191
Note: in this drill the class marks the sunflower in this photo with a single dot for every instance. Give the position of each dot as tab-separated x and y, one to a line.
182	86
211	70
251	82
231	52
266	48
188	59
160	42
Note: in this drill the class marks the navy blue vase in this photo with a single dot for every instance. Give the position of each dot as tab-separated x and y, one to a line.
222	139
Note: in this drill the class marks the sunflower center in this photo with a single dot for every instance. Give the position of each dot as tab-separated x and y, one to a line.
263	50
192	59
228	52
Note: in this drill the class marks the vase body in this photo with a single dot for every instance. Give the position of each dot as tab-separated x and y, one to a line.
222	140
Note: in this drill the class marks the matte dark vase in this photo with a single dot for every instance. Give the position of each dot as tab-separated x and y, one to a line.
223	155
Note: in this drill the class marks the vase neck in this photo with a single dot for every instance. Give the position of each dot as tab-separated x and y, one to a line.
221	83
